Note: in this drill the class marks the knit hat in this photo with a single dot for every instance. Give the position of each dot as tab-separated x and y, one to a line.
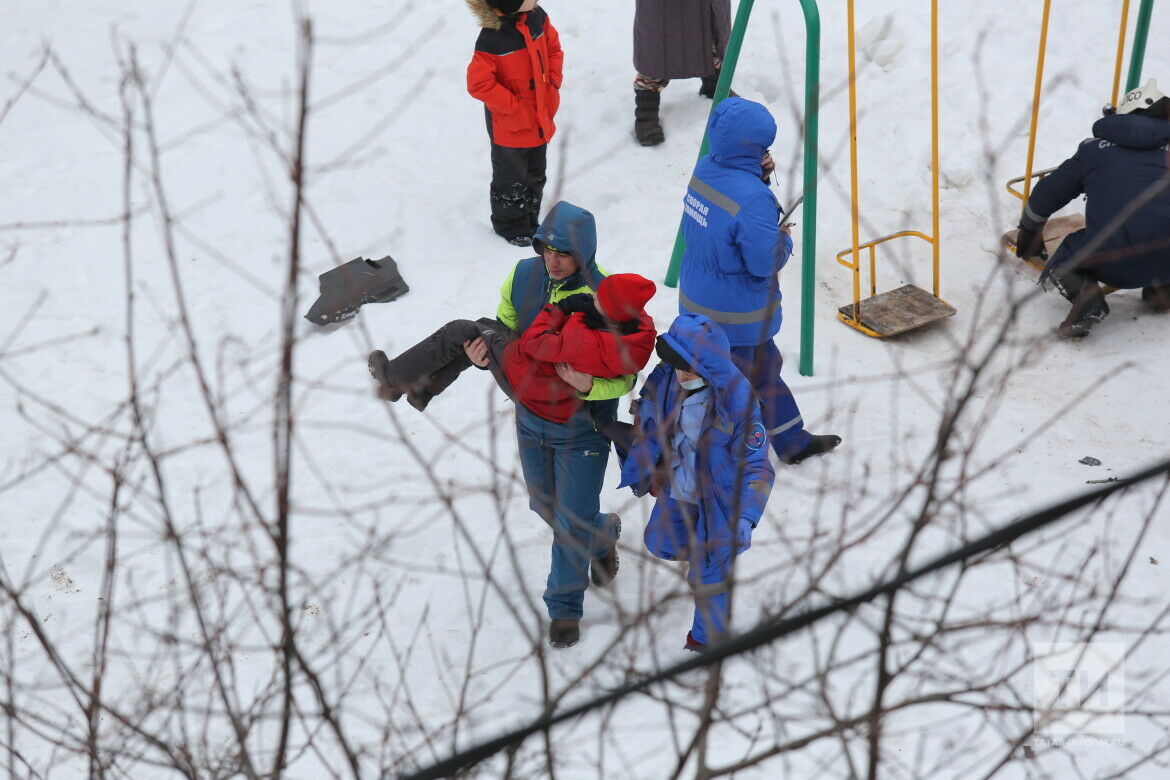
622	296
670	356
1141	99
506	7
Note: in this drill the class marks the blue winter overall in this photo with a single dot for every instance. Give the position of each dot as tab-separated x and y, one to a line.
728	477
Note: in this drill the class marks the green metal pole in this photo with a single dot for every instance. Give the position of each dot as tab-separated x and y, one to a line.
1140	32
730	58
812	103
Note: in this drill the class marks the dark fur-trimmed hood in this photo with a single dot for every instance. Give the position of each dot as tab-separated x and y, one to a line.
486	15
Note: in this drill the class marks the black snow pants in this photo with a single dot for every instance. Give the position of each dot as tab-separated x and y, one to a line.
432	365
518	177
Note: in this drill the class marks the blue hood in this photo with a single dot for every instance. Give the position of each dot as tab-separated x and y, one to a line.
738	132
704	345
1133	131
571	228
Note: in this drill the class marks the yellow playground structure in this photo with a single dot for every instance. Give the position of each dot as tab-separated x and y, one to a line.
908	307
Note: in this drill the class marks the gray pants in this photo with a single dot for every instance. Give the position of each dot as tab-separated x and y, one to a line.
432	365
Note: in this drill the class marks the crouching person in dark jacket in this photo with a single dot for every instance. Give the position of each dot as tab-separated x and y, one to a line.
1124	159
702	451
559	408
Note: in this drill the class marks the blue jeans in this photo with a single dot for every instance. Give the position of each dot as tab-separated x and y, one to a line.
564	467
671	535
761	364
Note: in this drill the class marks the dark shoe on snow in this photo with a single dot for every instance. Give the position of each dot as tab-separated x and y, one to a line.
348	287
564	632
520	240
1087	310
692	645
818	445
602	570
1157	298
379	369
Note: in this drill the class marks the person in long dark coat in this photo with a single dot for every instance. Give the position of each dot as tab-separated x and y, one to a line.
675	39
1126	239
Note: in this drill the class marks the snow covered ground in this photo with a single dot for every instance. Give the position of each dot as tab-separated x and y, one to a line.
415	568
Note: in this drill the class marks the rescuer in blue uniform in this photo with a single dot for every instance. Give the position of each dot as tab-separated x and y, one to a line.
736	247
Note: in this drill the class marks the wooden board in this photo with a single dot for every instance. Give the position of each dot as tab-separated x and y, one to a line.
1054	232
897	311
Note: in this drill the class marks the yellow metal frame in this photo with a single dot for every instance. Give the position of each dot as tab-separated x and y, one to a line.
1035	175
933	239
855	264
1040	54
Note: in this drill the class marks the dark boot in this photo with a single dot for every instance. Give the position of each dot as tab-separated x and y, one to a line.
707	88
379	366
1087	310
564	632
818	445
603	569
647	129
1157	298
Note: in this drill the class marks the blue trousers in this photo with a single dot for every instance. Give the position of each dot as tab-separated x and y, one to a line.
761	364
671	535
564	467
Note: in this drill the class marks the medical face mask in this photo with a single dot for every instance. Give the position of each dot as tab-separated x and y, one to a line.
693	384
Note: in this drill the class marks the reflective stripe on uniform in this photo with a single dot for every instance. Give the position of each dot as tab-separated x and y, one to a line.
727	317
714	196
781	428
711	589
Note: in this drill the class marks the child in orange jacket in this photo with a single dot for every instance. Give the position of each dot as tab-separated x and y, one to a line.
516	72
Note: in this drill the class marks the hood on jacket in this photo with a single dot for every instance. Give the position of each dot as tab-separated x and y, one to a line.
571	227
1133	131
486	15
703	344
738	132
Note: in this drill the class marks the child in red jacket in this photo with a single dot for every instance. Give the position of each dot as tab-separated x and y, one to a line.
516	72
604	337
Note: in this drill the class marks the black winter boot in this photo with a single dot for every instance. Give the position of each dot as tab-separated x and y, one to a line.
1157	298
564	632
379	366
1087	310
647	128
818	445
707	87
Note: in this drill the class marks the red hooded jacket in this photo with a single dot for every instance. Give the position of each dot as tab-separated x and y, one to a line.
554	337
516	72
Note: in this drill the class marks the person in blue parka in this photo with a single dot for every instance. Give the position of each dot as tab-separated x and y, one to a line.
1126	239
736	247
701	449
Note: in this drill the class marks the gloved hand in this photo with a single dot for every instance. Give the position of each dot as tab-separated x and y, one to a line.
743	535
575	303
1030	243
